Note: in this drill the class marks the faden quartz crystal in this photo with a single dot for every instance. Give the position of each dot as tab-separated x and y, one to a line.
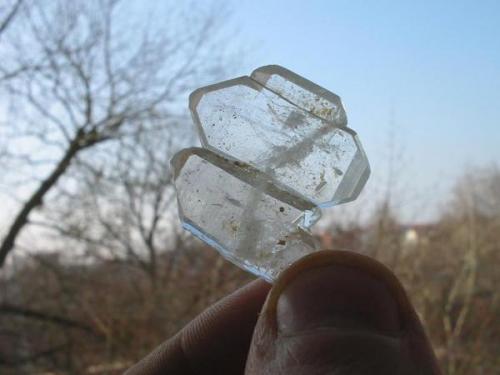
276	149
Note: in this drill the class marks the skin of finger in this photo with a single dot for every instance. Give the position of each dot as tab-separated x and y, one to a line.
340	351
216	342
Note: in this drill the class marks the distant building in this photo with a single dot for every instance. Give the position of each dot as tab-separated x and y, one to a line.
358	239
342	239
416	234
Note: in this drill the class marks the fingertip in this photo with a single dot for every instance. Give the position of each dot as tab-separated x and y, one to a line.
354	301
215	342
218	340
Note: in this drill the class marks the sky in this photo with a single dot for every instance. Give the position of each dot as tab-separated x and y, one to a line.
420	81
422	76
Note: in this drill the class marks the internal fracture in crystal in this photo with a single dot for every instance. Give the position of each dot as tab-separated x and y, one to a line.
276	149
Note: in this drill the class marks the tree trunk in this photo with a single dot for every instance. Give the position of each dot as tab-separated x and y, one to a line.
36	199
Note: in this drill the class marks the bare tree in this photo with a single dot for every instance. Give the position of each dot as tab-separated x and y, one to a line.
474	214
122	210
86	79
94	109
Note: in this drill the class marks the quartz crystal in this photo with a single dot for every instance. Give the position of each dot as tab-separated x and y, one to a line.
276	149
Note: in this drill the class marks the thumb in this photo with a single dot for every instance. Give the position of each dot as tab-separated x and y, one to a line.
339	313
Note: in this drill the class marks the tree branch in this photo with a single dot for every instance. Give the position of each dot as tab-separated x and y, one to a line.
19	311
36	198
4	24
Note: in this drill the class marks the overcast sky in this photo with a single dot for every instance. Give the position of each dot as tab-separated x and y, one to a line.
428	70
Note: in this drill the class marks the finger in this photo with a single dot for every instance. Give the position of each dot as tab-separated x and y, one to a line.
341	313
216	342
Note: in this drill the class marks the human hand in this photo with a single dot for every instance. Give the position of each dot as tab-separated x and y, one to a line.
332	312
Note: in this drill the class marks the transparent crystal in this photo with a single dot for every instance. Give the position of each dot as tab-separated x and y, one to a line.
303	152
301	92
235	209
276	148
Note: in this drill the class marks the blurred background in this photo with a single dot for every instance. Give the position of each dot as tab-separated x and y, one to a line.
95	269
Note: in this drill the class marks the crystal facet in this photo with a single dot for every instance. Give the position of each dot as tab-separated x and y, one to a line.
236	209
301	92
276	149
